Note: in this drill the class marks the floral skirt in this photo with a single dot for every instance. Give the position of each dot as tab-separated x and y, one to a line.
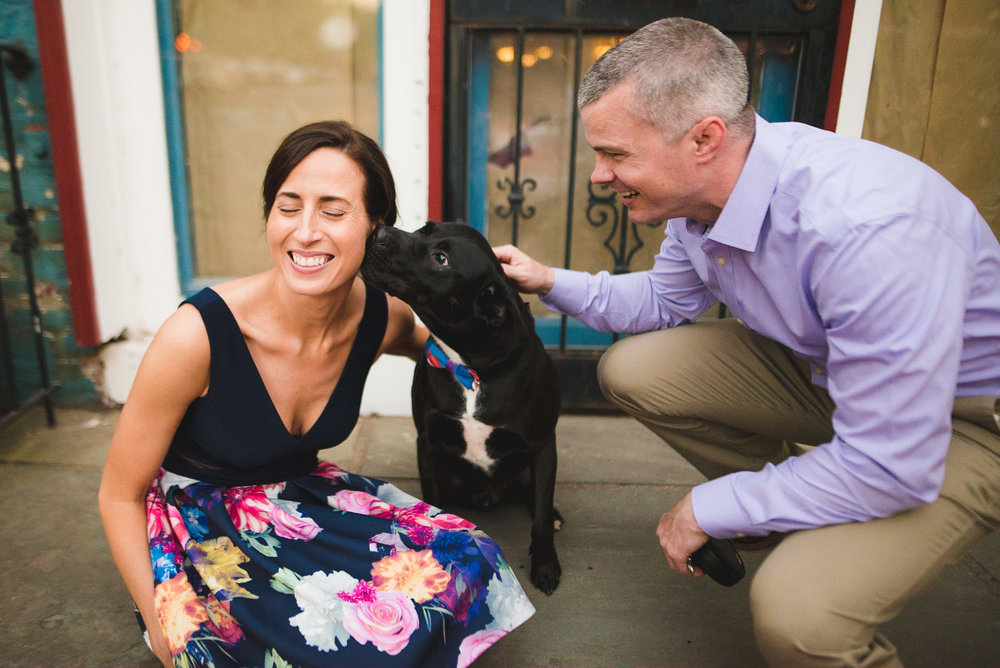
328	569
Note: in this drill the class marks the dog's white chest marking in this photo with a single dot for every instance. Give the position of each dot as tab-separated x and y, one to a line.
474	432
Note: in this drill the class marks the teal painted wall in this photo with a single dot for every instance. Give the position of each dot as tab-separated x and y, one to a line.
66	361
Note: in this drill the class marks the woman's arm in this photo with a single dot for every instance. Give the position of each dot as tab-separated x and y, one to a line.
403	336
173	372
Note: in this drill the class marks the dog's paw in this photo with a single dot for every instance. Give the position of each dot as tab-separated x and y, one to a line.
557	520
546	576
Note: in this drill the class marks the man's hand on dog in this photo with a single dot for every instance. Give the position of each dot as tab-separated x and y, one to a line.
529	275
680	535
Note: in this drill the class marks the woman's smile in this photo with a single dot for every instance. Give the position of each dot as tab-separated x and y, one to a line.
309	260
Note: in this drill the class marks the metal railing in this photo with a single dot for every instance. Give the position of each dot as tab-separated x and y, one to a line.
16	60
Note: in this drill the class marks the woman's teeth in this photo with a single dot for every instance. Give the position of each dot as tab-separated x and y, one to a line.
310	260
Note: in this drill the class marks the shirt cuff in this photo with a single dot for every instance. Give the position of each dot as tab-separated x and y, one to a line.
568	293
717	510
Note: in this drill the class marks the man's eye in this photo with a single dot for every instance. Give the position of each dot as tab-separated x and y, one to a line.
440	258
287	209
334	214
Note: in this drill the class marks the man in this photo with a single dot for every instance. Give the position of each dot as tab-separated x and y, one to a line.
851	403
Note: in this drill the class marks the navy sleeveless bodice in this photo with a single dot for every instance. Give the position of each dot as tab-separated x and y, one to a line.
234	436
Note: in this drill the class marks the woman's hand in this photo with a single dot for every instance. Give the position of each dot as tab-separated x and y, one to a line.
158	643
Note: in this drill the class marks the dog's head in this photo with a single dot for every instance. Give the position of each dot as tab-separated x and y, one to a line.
450	277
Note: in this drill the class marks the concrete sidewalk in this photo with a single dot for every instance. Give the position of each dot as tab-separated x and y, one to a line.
618	604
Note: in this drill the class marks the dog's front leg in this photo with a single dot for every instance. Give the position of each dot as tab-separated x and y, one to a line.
545	568
430	490
440	439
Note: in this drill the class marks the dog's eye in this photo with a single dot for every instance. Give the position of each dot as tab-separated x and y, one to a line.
440	258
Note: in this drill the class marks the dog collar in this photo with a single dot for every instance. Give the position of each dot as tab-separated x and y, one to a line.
438	359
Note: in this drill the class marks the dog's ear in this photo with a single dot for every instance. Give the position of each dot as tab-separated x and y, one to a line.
490	306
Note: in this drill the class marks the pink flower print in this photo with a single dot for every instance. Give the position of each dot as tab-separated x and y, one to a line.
474	645
415	515
420	535
451	522
249	508
352	502
157	522
387	620
289	522
329	470
380	508
272	490
389	540
363	592
177	525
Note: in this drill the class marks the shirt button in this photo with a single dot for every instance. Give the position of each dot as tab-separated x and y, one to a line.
740	320
721	261
819	371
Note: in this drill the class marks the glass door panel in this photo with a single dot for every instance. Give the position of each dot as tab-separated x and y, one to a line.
517	164
247	73
529	163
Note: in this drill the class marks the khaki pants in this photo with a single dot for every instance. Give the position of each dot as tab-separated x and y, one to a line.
727	399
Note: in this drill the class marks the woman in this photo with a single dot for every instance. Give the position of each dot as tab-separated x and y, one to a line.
245	550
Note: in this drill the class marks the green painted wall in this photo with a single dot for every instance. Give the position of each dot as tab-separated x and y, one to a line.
33	158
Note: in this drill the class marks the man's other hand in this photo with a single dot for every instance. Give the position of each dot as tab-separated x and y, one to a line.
680	536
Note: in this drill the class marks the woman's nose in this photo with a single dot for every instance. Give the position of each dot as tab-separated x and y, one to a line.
307	229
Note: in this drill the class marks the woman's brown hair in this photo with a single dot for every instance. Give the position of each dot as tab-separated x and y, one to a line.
379	189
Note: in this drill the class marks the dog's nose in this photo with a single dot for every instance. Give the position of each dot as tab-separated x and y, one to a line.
377	237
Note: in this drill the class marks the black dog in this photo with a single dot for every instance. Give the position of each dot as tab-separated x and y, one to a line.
486	402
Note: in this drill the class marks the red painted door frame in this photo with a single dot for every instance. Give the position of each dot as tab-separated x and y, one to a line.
66	165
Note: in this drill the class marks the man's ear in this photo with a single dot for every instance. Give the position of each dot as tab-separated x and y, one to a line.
489	306
708	135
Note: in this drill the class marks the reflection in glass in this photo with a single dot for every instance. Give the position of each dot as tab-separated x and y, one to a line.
251	71
529	163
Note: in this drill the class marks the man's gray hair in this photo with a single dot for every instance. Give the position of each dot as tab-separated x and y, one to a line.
681	71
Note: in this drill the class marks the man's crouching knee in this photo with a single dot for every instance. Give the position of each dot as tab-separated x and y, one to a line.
619	373
797	624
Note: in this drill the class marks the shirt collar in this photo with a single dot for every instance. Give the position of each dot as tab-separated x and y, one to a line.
742	217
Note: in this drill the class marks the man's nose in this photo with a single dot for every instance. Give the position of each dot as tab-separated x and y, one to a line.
602	173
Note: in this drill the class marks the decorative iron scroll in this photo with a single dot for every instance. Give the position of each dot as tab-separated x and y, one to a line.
515	200
604	207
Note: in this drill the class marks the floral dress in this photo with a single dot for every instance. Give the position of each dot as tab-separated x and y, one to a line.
322	567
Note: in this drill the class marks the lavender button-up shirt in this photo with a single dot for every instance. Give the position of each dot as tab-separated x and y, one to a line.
867	264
